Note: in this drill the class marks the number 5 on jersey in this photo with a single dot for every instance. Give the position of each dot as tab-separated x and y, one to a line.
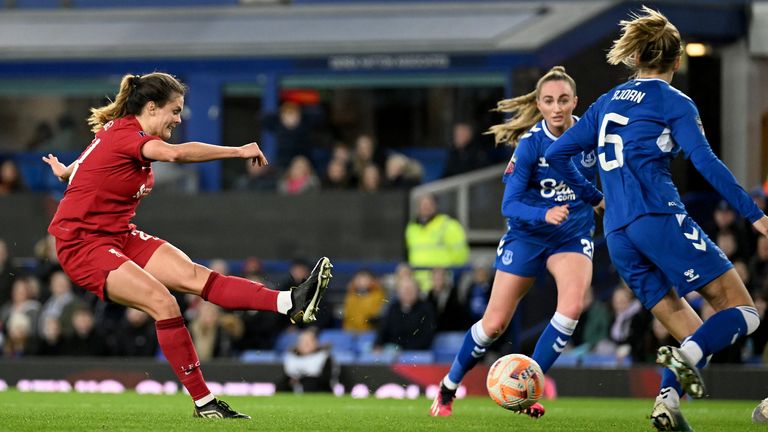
615	139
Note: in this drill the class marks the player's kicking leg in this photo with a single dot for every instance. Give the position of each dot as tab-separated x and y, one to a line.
306	297
685	370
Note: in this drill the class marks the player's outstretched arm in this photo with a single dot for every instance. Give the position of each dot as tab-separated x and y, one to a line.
59	169
201	152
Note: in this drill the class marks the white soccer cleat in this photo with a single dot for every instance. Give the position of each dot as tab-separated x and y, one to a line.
686	372
665	418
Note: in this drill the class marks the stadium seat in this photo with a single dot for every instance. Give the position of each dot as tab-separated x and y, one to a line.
256	356
599	360
286	341
37	4
446	345
364	341
416	357
568	359
344	357
339	340
379	357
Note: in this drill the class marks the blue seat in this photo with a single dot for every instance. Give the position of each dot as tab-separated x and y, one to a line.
37	4
416	357
339	340
286	341
364	341
568	360
380	357
446	345
599	360
344	357
256	356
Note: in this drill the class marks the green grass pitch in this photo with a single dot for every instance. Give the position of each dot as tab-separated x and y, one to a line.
129	411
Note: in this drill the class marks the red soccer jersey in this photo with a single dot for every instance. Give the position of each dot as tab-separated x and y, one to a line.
109	179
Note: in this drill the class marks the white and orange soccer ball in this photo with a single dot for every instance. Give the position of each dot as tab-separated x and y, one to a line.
515	382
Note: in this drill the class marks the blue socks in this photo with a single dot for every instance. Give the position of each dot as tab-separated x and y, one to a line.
553	340
471	351
719	331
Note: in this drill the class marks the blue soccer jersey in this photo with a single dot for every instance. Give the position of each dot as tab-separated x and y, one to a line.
636	130
532	187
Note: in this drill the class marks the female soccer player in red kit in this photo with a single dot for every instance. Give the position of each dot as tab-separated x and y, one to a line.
104	253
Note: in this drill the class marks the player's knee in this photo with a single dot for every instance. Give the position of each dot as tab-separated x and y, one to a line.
751	317
571	310
165	306
494	326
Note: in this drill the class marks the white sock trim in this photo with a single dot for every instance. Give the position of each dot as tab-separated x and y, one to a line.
563	324
284	302
450	385
693	351
750	317
670	397
204	400
479	336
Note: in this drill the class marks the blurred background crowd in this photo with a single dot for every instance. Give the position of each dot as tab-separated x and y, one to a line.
396	120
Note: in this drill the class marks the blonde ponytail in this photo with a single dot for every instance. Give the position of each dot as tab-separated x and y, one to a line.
524	109
647	41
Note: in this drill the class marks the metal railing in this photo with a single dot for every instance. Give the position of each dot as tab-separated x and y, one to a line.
473	198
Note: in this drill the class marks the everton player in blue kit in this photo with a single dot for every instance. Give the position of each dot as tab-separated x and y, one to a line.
549	227
662	254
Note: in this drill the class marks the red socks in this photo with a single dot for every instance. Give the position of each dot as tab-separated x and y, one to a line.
177	346
237	293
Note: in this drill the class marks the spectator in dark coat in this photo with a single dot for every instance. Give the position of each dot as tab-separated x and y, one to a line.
410	322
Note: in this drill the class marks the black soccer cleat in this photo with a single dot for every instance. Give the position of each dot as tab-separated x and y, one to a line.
218	409
305	298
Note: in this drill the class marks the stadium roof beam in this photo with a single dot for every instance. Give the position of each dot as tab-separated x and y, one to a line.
288	31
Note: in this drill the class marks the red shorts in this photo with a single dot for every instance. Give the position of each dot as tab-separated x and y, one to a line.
88	261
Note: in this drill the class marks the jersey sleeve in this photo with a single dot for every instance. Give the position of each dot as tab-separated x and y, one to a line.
581	137
518	175
685	125
131	142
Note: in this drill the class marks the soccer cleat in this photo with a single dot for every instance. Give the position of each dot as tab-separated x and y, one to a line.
443	404
218	409
306	297
760	414
687	374
665	418
534	411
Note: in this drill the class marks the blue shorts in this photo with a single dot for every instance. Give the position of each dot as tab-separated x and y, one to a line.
526	259
659	251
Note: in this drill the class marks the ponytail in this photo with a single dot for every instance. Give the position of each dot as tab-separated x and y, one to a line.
647	41
525	111
135	92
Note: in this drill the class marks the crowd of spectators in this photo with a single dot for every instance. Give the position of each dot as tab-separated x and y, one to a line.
438	289
301	163
42	314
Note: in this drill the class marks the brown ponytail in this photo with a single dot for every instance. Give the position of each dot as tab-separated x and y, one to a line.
135	91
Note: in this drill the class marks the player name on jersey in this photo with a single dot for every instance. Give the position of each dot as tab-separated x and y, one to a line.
630	95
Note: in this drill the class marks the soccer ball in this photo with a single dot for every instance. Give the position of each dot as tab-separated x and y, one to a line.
515	382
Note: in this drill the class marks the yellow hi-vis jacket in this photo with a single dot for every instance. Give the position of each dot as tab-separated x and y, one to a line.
441	242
